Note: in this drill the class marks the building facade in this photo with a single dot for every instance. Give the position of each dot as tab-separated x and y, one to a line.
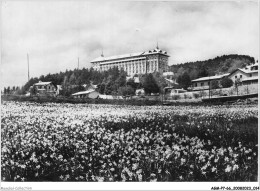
247	75
45	88
204	82
136	63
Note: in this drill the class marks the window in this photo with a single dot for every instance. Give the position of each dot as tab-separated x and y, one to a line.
208	83
250	75
195	84
202	84
240	76
236	77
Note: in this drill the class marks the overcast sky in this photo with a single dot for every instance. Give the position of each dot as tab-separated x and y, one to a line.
56	33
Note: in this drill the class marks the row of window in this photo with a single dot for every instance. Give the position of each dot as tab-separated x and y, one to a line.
43	87
122	64
127	64
135	67
242	76
201	84
250	82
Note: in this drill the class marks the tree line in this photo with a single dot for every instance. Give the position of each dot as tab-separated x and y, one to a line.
113	81
110	82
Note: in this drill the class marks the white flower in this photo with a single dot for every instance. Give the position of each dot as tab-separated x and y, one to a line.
100	179
235	167
23	166
139	171
183	161
135	165
140	177
213	169
228	169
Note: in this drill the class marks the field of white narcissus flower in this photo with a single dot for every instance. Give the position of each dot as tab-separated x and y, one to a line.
81	142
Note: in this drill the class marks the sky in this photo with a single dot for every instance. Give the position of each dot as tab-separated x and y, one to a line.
56	33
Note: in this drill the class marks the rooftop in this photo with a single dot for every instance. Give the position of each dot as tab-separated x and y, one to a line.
171	81
210	78
255	64
155	51
168	74
42	83
247	71
83	92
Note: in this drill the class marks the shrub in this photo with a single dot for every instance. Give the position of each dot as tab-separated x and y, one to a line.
196	95
226	82
176	97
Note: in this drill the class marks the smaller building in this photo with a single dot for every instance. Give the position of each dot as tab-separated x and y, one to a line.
170	80
92	94
140	92
135	79
45	88
168	74
171	83
177	91
203	83
110	97
90	86
247	75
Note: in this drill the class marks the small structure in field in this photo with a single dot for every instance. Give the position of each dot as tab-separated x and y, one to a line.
180	92
140	92
92	94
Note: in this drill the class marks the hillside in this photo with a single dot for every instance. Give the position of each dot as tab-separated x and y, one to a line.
218	65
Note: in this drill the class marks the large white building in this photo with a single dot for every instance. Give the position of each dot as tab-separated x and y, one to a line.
136	63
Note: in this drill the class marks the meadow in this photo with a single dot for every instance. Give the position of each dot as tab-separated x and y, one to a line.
88	142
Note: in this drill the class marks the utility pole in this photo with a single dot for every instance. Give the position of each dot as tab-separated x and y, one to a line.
78	62
209	87
28	66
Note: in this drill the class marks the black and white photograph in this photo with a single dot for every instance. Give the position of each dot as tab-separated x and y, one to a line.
129	95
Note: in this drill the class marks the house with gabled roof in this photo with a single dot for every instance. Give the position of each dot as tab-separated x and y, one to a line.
45	88
247	75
